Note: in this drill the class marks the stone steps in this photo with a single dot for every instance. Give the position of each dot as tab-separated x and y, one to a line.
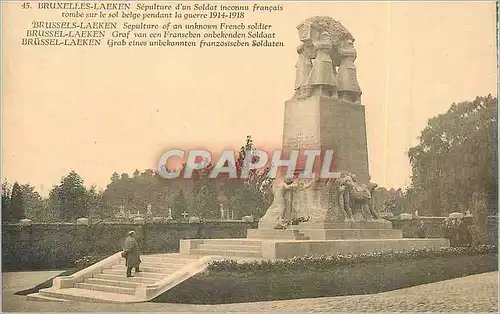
122	272
219	247
106	281
147	269
172	261
226	253
158	264
105	288
278	237
122	277
86	295
275	234
175	257
233	242
114	283
39	297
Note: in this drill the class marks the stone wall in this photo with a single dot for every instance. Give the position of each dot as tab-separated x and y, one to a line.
50	246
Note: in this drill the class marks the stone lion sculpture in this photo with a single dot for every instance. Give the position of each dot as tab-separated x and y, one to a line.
355	197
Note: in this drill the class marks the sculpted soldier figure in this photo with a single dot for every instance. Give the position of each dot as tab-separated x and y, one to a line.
290	188
287	193
348	87
303	67
326	44
322	75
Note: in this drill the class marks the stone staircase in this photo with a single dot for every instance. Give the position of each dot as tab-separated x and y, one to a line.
251	247
229	248
106	280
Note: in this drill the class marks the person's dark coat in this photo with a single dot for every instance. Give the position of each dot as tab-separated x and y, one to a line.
131	247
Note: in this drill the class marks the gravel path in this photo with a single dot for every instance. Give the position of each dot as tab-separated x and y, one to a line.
477	293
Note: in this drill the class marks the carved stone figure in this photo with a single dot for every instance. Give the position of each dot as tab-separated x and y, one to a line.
360	197
290	188
343	197
222	212
326	44
371	187
322	75
303	67
275	210
309	196
353	195
348	87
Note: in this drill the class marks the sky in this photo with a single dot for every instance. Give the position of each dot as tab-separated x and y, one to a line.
97	110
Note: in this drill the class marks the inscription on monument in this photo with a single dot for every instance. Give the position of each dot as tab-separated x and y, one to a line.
300	140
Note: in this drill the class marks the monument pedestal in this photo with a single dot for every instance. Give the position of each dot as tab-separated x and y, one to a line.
276	234
377	229
328	123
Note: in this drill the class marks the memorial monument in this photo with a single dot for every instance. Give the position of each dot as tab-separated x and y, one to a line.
310	214
326	113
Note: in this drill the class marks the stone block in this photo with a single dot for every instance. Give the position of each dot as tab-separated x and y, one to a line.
139	221
25	222
247	219
344	234
286	234
456	215
194	220
367	224
82	221
159	219
328	123
187	245
406	216
289	249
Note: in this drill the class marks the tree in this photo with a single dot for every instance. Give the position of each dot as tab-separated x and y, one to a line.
34	205
96	205
394	205
251	195
115	177
205	200
456	157
70	198
16	210
6	192
179	205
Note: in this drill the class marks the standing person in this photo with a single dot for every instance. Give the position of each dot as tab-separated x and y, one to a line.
131	250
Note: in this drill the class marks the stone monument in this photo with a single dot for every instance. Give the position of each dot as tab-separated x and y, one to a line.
326	113
311	214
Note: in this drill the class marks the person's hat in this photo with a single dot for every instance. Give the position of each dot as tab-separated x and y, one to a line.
131	232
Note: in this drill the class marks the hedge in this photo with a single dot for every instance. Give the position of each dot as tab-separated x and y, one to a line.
308	277
329	261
